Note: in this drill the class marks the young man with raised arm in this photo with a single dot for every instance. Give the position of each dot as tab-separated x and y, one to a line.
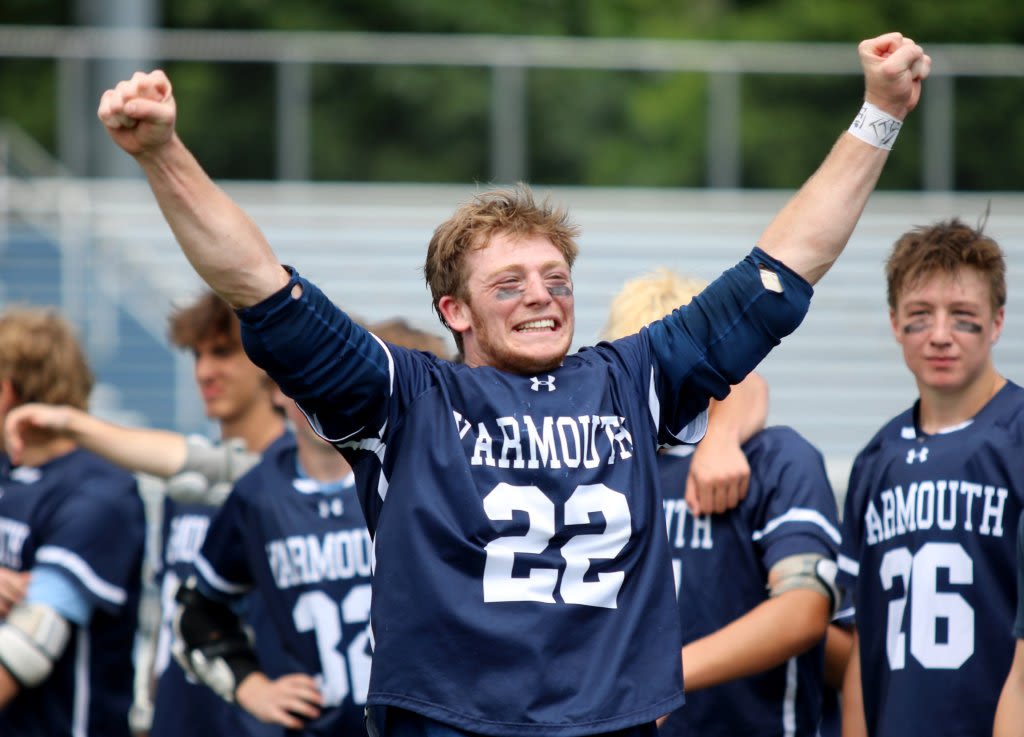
523	582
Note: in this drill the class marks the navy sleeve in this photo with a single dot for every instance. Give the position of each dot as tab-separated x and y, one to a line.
797	508
705	347
222	567
1018	625
853	528
96	538
336	370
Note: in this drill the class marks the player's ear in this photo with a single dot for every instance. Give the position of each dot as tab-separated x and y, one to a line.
895	326
455	313
997	322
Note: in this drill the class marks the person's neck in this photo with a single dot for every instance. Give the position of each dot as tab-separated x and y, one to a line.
940	410
258	429
39	454
320	461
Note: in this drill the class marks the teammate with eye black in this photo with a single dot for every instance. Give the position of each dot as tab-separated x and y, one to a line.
932	504
522	580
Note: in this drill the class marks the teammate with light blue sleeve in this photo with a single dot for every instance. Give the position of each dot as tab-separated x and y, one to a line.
198	473
76	525
523	578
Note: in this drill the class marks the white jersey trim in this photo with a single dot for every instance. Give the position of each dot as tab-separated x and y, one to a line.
204	569
800	514
77	567
789	700
80	710
848	565
692	433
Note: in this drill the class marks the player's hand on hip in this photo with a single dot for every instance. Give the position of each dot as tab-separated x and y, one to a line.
139	113
894	67
719	476
290	700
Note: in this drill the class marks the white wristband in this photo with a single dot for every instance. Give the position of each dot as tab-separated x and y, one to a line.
876	127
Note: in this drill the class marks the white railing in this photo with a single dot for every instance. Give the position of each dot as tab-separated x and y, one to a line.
509	58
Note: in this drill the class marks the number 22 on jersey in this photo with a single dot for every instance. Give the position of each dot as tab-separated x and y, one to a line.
578	552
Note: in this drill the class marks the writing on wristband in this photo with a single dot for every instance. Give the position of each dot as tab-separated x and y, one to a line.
875	126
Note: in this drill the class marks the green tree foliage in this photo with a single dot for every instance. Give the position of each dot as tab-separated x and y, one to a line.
584	127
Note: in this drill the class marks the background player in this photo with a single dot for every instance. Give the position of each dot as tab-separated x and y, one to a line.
929	526
239	397
756	584
511	497
291	530
76	523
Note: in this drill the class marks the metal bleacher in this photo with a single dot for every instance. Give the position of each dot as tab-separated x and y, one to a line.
101	250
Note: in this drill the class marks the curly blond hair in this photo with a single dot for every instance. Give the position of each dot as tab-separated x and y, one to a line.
647	298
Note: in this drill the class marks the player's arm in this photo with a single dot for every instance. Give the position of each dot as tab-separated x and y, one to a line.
211	644
854	721
838	645
37	630
1009	720
32	639
13	586
30	426
223	244
719	472
812	229
789	622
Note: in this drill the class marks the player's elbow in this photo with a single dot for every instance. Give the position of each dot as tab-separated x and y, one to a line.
32	638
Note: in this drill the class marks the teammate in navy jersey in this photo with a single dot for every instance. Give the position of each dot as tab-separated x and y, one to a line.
239	397
1009	721
838	644
755	584
932	503
522	579
76	526
293	532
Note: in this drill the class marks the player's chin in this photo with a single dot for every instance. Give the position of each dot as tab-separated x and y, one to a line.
536	359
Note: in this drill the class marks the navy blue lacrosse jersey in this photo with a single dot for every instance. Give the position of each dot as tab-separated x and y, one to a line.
929	546
831	707
1018	624
721	565
82	517
307	552
182	705
523	583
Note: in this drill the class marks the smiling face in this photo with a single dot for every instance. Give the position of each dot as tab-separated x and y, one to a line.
517	313
947	325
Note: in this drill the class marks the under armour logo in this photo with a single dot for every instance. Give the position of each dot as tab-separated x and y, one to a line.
26	474
537	383
920	455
